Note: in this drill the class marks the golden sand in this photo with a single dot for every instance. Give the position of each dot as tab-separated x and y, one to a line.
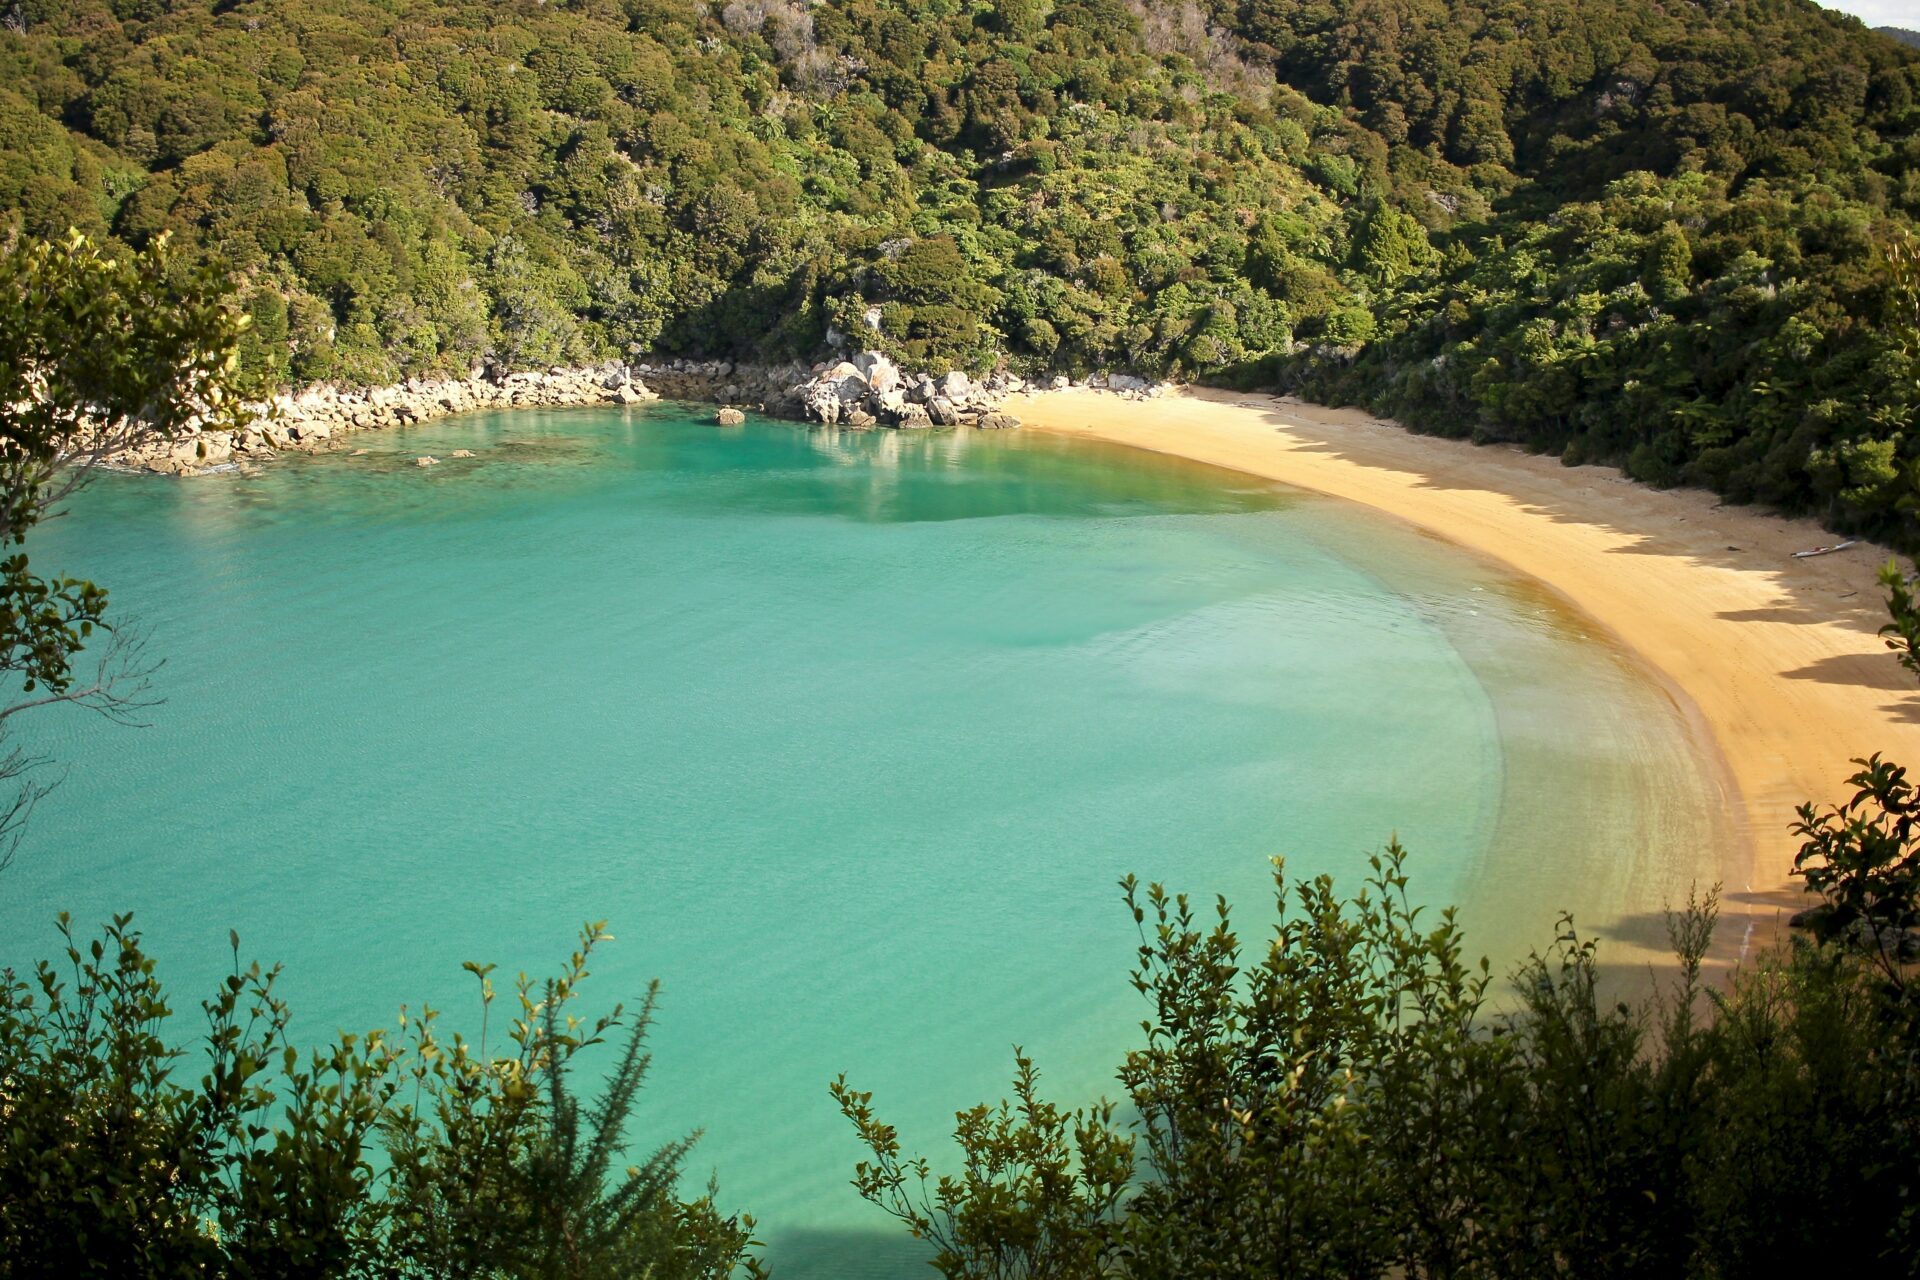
1780	657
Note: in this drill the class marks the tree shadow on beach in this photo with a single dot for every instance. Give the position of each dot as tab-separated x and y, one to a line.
1825	589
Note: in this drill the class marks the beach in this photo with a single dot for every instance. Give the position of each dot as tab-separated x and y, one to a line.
1778	657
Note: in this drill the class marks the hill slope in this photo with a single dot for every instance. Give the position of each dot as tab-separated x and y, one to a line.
1651	235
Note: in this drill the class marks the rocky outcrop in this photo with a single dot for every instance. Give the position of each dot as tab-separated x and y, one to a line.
754	386
312	420
867	390
870	390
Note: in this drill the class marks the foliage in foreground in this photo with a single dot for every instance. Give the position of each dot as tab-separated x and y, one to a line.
99	353
409	1156
1343	1101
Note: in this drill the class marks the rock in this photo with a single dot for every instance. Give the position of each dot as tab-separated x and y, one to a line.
941	410
858	417
1059	382
1125	382
996	421
880	373
954	386
729	417
463	453
913	417
427	460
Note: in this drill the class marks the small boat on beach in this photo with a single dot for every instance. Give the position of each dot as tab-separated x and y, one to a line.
1826	551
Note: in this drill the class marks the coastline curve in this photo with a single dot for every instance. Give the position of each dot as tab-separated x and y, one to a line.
1777	660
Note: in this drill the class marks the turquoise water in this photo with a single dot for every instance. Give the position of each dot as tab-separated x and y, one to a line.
849	736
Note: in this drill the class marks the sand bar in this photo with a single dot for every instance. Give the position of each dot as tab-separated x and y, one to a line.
1779	656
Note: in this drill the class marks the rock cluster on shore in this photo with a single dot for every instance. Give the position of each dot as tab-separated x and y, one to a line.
310	420
868	390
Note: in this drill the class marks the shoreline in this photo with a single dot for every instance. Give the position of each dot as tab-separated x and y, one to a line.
1778	659
1776	662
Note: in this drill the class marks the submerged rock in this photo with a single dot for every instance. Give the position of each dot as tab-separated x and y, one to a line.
729	417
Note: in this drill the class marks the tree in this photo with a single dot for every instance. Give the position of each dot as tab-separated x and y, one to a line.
1863	857
378	1157
100	355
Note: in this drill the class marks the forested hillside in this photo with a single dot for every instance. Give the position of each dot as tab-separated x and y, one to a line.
1666	235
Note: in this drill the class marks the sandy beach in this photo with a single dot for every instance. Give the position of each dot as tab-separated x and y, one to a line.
1779	657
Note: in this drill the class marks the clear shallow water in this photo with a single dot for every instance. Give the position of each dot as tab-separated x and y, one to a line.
849	736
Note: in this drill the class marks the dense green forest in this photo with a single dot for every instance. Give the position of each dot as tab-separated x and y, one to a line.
1666	236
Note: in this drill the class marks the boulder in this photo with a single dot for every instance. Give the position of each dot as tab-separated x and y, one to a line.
729	417
954	386
996	421
464	453
858	417
880	373
913	417
427	460
942	411
1125	382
